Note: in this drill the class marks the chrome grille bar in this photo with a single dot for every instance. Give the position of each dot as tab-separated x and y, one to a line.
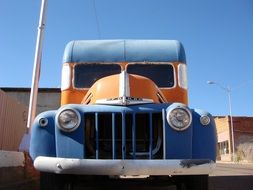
123	136
120	135
97	133
164	137
133	136
113	137
150	136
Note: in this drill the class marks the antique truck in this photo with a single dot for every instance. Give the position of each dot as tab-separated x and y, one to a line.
124	112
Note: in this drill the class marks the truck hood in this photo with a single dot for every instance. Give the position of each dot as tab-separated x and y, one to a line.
124	89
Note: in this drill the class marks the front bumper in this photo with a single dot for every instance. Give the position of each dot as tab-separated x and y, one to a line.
123	167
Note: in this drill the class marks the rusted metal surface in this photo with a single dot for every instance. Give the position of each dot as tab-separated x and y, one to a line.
12	122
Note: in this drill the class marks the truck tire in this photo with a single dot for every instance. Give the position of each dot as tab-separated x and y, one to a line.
54	181
192	182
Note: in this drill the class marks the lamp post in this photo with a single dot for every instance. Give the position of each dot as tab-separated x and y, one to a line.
228	90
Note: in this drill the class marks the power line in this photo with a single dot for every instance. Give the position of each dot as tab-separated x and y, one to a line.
242	84
96	17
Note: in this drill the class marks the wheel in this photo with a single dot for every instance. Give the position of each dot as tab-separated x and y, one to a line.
192	182
55	181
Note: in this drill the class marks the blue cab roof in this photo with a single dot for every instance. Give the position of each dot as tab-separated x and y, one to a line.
124	51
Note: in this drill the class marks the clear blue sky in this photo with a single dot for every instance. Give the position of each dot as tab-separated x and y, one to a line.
217	36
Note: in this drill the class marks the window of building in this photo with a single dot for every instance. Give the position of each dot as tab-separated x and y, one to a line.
223	147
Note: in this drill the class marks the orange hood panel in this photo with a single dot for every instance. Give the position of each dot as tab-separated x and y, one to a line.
124	89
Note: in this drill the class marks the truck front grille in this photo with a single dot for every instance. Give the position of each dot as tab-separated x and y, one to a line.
123	136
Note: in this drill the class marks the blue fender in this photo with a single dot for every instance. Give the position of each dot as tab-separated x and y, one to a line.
178	143
43	137
204	139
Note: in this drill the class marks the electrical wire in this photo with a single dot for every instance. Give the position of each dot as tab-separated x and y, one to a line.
97	21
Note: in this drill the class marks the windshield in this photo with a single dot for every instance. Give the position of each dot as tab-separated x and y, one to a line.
85	75
161	74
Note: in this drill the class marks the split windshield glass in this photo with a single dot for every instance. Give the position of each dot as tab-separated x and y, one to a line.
161	74
85	75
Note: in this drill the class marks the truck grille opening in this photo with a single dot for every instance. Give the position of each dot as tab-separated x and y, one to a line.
123	136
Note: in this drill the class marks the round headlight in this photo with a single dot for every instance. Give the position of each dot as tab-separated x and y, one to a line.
69	120
179	118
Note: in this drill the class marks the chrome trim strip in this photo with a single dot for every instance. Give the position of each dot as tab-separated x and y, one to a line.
164	135
124	89
128	100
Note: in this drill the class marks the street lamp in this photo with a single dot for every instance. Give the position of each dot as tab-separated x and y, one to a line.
228	90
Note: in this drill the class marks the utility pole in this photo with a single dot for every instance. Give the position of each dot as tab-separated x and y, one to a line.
231	123
228	90
36	66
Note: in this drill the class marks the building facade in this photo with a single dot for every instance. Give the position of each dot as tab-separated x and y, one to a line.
13	117
243	138
48	98
14	104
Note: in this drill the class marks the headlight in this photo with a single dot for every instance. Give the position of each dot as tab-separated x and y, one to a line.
179	118
68	120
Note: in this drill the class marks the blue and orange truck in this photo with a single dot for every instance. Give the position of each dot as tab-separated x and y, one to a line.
124	112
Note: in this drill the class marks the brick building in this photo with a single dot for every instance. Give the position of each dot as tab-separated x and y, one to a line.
243	138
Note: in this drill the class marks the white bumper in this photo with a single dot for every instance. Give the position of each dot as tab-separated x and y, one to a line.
123	167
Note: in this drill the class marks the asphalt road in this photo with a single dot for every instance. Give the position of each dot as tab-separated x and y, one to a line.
230	176
233	169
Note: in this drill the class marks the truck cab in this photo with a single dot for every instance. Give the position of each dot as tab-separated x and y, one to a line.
124	112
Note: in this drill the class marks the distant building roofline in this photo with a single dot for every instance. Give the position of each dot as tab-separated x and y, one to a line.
234	117
26	89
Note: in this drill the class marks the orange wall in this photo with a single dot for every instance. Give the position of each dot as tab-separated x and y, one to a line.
13	117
